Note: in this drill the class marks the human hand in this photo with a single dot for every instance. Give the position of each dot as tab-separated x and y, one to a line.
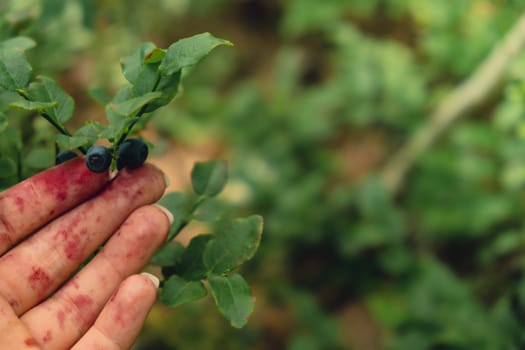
49	225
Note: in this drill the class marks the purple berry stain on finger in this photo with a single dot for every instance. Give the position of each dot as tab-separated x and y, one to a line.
61	318
48	336
30	342
19	201
70	238
71	177
85	306
39	279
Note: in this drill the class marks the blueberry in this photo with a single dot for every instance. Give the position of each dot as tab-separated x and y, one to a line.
64	156
132	153
98	159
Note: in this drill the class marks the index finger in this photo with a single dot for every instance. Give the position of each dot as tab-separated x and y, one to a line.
32	203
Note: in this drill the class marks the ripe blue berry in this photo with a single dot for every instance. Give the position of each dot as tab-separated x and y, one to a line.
98	159
64	157
132	153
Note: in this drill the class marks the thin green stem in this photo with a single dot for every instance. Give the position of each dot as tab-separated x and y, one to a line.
57	126
62	129
128	129
188	217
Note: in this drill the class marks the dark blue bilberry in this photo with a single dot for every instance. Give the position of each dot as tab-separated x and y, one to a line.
98	159
132	153
64	156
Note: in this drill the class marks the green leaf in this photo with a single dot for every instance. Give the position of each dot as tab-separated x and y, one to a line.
91	130
132	106
86	136
141	68
48	90
123	94
189	51
146	80
169	86
179	204
133	64
233	298
211	209
40	158
100	95
168	254
191	265
116	121
234	245
15	71
155	56
209	178
32	106
7	167
71	142
153	69
178	291
20	43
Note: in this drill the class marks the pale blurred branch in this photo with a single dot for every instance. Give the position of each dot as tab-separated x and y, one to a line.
467	95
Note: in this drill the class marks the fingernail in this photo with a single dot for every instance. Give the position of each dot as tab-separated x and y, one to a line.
152	278
166	211
167	181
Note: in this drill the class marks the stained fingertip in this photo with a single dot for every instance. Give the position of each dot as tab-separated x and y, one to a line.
122	318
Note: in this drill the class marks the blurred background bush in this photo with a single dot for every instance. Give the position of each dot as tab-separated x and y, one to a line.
310	104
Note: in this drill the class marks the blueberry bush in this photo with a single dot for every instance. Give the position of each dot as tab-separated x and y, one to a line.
153	76
317	99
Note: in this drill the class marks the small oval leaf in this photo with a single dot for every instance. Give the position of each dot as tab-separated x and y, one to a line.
234	245
71	142
209	178
15	71
132	106
178	291
233	298
189	51
48	90
168	254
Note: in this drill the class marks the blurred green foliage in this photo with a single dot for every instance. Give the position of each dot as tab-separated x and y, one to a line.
313	100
